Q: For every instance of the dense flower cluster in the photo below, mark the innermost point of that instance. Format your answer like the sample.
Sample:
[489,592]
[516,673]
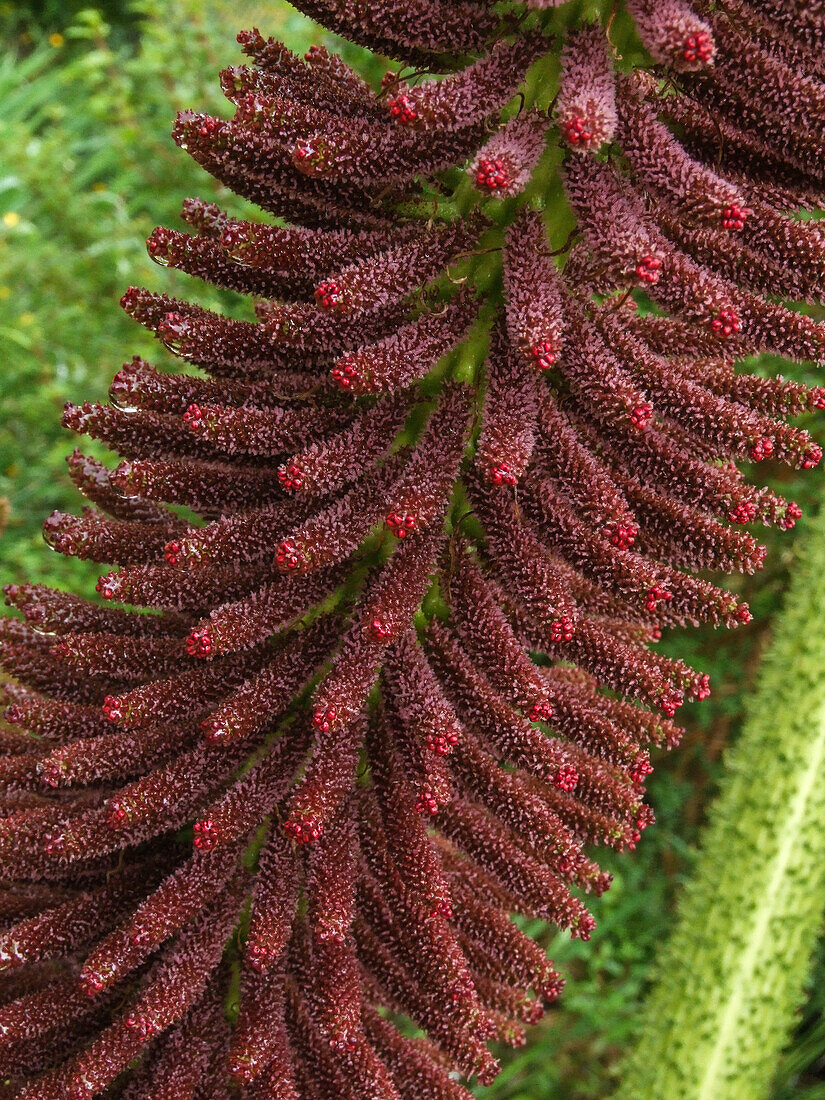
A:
[373,670]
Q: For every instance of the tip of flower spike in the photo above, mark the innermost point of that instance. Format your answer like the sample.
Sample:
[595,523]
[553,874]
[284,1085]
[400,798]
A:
[762,449]
[816,396]
[426,804]
[52,772]
[158,245]
[289,558]
[813,456]
[540,711]
[216,730]
[91,983]
[641,415]
[641,768]
[107,586]
[303,829]
[621,535]
[403,109]
[566,778]
[501,474]
[130,299]
[492,175]
[199,642]
[324,720]
[583,927]
[172,552]
[442,742]
[140,1024]
[291,477]
[733,217]
[345,375]
[206,835]
[670,701]
[378,631]
[117,816]
[113,708]
[698,48]
[544,355]
[401,524]
[701,689]
[562,630]
[331,297]
[193,417]
[744,512]
[649,269]
[313,157]
[656,595]
[578,132]
[260,958]
[792,513]
[726,323]
[743,614]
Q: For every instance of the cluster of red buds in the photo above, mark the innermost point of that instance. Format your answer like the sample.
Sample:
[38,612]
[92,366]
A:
[371,670]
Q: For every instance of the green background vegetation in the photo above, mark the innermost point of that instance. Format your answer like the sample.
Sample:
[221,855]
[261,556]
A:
[87,169]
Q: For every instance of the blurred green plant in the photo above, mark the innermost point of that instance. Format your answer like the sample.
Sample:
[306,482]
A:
[732,974]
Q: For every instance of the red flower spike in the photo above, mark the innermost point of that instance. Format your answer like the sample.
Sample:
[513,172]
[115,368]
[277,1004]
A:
[492,175]
[726,323]
[552,596]
[199,643]
[649,269]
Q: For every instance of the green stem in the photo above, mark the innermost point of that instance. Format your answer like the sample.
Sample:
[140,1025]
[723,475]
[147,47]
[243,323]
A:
[731,977]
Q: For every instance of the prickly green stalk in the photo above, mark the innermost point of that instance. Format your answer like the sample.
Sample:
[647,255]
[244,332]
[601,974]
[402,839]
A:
[731,977]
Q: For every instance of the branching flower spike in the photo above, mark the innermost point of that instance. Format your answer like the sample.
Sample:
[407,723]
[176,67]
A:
[372,665]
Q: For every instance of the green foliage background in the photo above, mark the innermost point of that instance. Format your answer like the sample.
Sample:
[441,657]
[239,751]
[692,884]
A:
[87,168]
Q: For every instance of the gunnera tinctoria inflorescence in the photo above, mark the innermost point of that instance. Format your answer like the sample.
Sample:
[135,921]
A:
[386,678]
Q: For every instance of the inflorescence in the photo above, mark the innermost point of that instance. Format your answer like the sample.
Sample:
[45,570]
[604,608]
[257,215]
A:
[373,670]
